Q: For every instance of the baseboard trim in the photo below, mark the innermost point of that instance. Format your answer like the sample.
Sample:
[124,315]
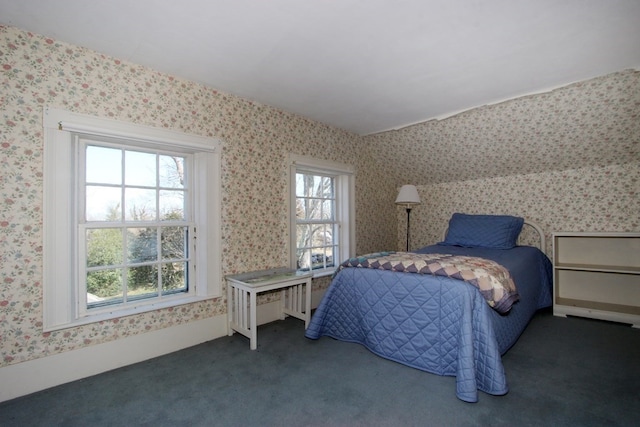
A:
[35,375]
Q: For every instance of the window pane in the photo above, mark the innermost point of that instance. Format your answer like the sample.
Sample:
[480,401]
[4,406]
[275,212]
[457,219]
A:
[174,243]
[304,259]
[143,244]
[103,203]
[327,210]
[104,165]
[140,205]
[322,236]
[326,188]
[332,256]
[143,282]
[172,171]
[140,169]
[104,247]
[300,209]
[172,205]
[300,185]
[303,235]
[104,286]
[318,258]
[174,277]
[314,209]
[305,184]
[315,188]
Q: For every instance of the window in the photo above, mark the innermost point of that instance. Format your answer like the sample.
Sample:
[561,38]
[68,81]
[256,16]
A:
[135,225]
[322,212]
[131,219]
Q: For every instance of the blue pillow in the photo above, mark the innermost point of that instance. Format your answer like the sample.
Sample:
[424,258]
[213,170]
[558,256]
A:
[483,231]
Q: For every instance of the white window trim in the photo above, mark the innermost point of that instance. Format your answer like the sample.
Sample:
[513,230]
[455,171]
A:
[345,184]
[59,230]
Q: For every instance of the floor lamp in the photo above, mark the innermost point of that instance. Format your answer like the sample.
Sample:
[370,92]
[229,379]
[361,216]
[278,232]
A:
[408,197]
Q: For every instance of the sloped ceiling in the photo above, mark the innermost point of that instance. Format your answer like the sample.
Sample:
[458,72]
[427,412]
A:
[590,124]
[365,66]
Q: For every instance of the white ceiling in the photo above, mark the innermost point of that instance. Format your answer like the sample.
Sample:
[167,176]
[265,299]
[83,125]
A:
[361,65]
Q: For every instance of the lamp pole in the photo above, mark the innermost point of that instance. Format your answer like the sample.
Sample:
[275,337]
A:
[408,214]
[408,196]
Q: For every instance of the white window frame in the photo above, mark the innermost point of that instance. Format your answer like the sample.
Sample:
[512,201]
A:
[344,182]
[60,214]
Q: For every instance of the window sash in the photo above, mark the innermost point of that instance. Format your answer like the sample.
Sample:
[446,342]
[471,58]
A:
[315,196]
[322,258]
[117,275]
[125,266]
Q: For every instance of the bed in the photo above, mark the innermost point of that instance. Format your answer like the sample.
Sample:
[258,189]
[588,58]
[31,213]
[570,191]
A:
[442,323]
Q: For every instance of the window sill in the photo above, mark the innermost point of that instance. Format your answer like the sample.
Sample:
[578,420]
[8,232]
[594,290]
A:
[323,273]
[128,311]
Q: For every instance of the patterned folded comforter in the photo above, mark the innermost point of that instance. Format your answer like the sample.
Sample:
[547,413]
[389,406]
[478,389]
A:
[492,279]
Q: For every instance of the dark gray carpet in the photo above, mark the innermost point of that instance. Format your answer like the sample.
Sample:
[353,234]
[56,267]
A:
[561,372]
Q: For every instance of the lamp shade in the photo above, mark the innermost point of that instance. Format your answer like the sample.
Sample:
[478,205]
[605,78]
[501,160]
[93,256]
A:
[408,195]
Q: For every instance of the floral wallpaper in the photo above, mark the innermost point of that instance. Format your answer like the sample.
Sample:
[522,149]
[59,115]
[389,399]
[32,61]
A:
[587,124]
[36,71]
[567,159]
[590,199]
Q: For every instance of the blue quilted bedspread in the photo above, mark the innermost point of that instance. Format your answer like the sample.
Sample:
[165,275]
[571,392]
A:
[437,324]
